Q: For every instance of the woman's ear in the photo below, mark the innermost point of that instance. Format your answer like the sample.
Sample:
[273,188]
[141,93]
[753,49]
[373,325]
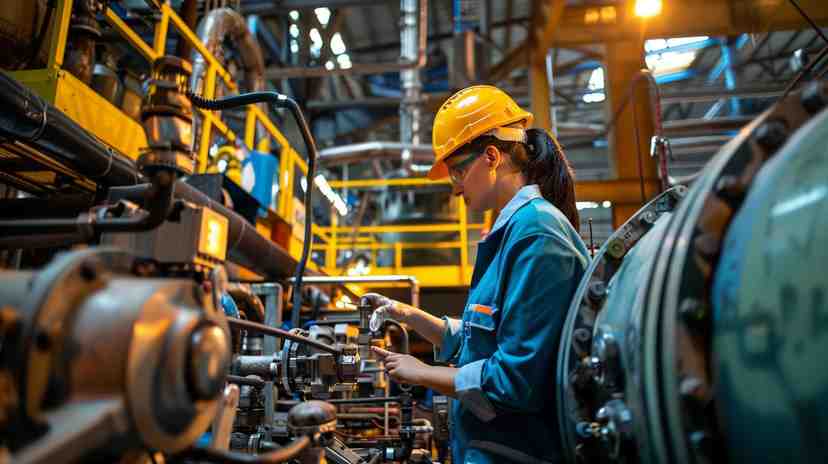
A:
[494,157]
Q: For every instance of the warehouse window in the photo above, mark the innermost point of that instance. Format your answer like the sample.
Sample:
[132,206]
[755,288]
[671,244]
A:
[596,87]
[667,56]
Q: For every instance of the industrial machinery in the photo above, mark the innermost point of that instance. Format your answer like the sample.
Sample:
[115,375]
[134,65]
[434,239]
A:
[135,333]
[694,336]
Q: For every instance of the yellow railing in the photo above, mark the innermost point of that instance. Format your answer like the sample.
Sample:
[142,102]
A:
[123,133]
[105,120]
[343,238]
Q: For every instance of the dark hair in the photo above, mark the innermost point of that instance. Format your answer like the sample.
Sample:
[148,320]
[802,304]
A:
[542,161]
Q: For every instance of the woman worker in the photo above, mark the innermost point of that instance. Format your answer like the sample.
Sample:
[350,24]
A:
[504,349]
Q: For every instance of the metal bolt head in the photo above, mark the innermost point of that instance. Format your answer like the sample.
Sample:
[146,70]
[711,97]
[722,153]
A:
[596,292]
[616,249]
[692,310]
[209,361]
[772,134]
[649,218]
[813,97]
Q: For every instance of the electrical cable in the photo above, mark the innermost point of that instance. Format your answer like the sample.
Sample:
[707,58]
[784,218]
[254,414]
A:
[280,101]
[281,455]
[809,20]
[280,333]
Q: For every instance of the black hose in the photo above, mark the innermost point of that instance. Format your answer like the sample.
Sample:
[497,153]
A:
[276,332]
[405,345]
[280,101]
[281,455]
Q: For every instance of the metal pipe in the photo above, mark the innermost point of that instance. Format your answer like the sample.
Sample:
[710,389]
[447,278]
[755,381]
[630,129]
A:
[281,455]
[409,80]
[379,399]
[21,242]
[253,382]
[245,245]
[217,28]
[273,72]
[411,280]
[157,206]
[277,332]
[29,119]
[372,150]
[57,205]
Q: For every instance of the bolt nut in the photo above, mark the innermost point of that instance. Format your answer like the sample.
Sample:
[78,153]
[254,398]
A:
[616,249]
[596,292]
[772,134]
[692,310]
[648,218]
[813,97]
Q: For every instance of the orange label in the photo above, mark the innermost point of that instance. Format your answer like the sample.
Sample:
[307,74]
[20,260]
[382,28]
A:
[482,309]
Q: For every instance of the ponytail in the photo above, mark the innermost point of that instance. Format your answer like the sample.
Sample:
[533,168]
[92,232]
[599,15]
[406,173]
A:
[542,161]
[549,167]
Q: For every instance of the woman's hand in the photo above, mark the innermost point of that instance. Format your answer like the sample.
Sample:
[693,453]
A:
[385,306]
[403,368]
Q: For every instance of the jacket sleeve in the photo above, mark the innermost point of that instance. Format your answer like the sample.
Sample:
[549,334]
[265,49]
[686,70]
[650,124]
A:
[452,341]
[542,274]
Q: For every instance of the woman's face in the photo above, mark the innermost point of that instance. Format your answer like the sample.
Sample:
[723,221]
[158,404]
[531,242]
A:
[473,177]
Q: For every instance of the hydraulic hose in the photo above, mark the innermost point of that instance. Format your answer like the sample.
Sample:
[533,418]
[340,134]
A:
[280,101]
[281,455]
[276,332]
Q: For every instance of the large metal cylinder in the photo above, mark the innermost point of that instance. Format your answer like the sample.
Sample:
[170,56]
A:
[100,357]
[697,333]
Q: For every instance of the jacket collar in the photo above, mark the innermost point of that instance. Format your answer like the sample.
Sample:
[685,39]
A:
[526,194]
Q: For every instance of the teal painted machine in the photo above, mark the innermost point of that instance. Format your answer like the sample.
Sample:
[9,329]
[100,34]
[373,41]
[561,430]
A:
[699,333]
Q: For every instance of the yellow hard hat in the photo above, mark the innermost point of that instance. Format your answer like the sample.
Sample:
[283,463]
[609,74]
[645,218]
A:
[468,114]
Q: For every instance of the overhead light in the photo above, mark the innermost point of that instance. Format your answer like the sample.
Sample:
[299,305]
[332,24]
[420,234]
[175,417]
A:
[329,65]
[323,15]
[647,8]
[344,61]
[337,201]
[294,30]
[337,44]
[606,204]
[294,15]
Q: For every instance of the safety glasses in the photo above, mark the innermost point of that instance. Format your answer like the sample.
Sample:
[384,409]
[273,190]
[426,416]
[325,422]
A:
[459,169]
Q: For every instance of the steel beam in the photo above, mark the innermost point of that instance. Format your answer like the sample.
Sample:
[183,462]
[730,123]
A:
[544,27]
[612,23]
[630,137]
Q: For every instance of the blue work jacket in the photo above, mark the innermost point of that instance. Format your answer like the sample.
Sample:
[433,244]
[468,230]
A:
[506,344]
